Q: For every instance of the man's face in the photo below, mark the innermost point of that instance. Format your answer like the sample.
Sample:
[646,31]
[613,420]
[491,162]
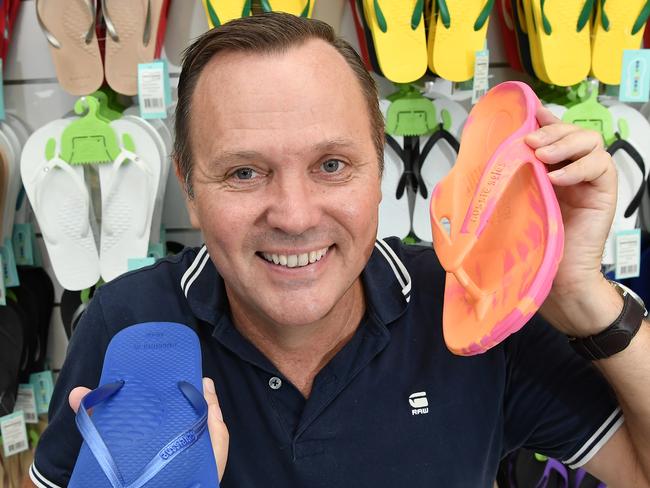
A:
[286,179]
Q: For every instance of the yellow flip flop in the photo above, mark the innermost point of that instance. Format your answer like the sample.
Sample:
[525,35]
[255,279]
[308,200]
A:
[301,8]
[460,32]
[619,26]
[399,38]
[432,16]
[218,12]
[529,21]
[562,29]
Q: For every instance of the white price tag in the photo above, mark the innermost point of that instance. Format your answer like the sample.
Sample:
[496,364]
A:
[26,402]
[14,433]
[628,253]
[153,84]
[481,70]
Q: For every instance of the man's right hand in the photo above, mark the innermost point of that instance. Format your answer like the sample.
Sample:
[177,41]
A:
[216,426]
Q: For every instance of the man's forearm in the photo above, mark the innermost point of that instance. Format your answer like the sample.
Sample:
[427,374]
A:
[628,372]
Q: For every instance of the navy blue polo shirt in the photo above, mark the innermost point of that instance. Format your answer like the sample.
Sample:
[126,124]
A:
[392,408]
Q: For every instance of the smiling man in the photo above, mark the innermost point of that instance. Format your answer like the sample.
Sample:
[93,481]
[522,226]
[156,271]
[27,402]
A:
[325,345]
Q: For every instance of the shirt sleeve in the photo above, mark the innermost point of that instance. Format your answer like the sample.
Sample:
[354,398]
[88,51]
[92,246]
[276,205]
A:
[59,445]
[556,403]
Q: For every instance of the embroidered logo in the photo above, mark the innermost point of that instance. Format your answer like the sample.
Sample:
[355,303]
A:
[419,403]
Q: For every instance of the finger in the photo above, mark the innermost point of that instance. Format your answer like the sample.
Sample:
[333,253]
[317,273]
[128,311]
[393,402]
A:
[546,117]
[571,147]
[217,428]
[550,134]
[75,397]
[596,167]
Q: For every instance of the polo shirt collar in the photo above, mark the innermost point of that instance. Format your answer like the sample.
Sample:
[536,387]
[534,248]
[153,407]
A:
[386,281]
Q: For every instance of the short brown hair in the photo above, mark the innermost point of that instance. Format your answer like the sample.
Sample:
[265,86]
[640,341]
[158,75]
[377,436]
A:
[266,33]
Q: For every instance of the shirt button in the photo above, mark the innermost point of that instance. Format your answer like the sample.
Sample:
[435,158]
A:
[275,383]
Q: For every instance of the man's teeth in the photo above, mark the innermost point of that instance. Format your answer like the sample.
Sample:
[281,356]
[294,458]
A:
[295,260]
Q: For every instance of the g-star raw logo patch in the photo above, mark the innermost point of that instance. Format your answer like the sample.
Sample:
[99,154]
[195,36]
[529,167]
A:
[419,403]
[179,444]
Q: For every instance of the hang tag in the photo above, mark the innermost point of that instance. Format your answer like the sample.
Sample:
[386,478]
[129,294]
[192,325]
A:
[3,289]
[628,254]
[22,245]
[9,269]
[156,251]
[2,92]
[137,263]
[163,238]
[43,388]
[14,433]
[154,90]
[26,401]
[38,258]
[481,70]
[635,76]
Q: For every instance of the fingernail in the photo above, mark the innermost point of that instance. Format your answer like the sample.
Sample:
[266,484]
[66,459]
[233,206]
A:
[208,385]
[557,173]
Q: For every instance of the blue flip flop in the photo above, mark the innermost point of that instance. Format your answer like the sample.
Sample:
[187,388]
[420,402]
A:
[149,421]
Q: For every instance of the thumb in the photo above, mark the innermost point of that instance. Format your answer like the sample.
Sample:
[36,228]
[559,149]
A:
[75,397]
[218,431]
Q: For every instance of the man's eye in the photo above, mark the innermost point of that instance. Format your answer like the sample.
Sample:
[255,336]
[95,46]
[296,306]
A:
[332,165]
[244,173]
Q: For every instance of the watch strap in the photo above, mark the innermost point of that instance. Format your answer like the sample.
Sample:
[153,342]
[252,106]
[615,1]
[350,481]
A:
[614,338]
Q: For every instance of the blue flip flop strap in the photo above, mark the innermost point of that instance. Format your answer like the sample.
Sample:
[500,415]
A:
[173,448]
[92,437]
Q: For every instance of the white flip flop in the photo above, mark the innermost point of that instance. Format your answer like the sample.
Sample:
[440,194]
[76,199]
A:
[61,203]
[394,214]
[156,219]
[436,165]
[630,178]
[129,187]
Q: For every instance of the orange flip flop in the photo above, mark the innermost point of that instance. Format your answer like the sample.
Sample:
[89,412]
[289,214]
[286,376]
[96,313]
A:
[506,237]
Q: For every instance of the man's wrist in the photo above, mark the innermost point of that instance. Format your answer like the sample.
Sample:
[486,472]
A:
[584,313]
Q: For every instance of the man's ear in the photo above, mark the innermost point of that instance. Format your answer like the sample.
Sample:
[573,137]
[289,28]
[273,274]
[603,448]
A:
[190,201]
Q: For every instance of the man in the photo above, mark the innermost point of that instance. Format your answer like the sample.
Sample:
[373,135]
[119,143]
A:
[315,335]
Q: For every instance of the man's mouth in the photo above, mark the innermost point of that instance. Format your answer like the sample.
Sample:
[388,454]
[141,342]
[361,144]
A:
[295,260]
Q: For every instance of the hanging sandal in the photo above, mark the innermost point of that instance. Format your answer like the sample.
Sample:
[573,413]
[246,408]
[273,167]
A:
[399,39]
[459,33]
[69,28]
[219,12]
[619,26]
[132,38]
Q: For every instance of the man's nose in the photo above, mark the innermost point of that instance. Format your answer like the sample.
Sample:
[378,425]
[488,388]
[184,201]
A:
[294,207]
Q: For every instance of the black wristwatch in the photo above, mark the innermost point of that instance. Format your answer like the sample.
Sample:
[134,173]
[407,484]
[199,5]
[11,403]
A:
[617,336]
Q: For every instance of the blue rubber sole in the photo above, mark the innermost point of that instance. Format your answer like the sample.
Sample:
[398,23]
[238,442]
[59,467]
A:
[149,410]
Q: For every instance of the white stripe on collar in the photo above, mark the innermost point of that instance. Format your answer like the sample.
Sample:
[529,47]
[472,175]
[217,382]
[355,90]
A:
[205,259]
[193,266]
[40,480]
[401,273]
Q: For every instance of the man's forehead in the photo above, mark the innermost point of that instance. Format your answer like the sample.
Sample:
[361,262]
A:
[313,67]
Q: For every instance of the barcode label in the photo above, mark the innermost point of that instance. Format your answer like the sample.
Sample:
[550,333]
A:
[14,433]
[157,103]
[631,269]
[18,447]
[628,254]
[26,401]
[154,93]
[481,71]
